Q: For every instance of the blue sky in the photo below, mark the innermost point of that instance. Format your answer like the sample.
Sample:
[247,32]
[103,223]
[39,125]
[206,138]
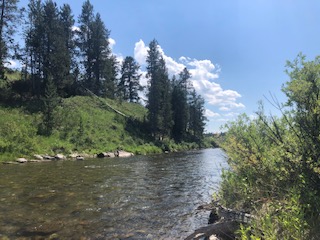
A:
[236,50]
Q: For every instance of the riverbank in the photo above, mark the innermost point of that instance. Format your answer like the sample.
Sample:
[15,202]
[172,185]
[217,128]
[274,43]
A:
[82,124]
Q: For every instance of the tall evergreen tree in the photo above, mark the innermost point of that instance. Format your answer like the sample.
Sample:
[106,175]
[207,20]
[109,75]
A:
[33,45]
[67,21]
[165,107]
[56,54]
[50,103]
[129,84]
[197,117]
[154,93]
[95,51]
[180,105]
[110,77]
[48,45]
[84,43]
[8,20]
[159,100]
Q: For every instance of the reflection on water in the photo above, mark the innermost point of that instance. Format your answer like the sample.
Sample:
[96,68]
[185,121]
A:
[142,197]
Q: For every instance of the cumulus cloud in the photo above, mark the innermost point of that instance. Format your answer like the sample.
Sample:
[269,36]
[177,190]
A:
[112,42]
[211,114]
[174,67]
[75,29]
[204,76]
[12,64]
[141,52]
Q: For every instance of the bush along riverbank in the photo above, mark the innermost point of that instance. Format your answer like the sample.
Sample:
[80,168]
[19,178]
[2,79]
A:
[274,162]
[83,125]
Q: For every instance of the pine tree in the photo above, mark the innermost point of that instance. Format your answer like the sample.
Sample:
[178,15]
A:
[165,107]
[50,103]
[33,45]
[197,117]
[84,43]
[56,58]
[67,21]
[159,95]
[95,52]
[180,105]
[129,84]
[9,13]
[110,77]
[49,46]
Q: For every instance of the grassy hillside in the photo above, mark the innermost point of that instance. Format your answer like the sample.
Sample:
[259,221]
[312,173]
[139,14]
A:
[82,124]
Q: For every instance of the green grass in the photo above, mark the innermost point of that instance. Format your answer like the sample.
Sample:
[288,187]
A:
[82,124]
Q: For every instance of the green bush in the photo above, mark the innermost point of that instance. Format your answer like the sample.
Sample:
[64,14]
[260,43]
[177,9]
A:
[274,162]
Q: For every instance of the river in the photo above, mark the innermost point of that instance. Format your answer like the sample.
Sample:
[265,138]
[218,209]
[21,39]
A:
[141,197]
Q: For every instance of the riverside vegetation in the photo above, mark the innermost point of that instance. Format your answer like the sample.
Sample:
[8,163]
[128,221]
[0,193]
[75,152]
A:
[274,161]
[82,124]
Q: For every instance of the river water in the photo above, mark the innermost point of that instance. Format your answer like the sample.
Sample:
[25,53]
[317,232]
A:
[141,197]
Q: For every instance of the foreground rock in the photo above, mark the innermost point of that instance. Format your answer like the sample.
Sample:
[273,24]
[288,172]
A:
[223,222]
[219,230]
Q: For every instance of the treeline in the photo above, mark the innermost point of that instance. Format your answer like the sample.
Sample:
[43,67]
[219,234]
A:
[61,60]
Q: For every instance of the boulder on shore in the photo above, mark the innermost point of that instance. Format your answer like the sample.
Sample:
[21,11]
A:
[21,160]
[124,154]
[38,157]
[106,155]
[115,154]
[60,157]
[47,157]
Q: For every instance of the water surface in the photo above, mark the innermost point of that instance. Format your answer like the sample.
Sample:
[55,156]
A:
[141,197]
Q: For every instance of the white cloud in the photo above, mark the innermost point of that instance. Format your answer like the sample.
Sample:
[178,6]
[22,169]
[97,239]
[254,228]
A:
[112,42]
[231,114]
[75,29]
[211,114]
[10,64]
[174,68]
[13,64]
[141,52]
